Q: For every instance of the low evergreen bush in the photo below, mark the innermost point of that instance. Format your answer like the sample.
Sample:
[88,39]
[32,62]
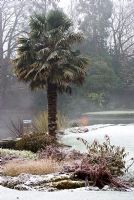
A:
[35,142]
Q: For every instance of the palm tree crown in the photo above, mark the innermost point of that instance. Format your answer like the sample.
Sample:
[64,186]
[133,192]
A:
[46,54]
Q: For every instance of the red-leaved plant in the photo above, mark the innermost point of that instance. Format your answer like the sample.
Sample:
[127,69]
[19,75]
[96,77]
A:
[113,157]
[102,164]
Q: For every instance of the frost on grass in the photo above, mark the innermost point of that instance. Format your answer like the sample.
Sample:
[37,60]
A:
[17,153]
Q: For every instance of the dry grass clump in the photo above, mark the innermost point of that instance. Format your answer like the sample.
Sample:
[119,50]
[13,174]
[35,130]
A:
[38,167]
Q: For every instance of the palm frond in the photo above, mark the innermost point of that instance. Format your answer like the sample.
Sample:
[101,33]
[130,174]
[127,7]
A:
[68,74]
[58,19]
[38,22]
[43,53]
[70,40]
[54,56]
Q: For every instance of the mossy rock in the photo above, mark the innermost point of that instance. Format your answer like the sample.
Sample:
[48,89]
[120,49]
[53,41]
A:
[68,184]
[62,178]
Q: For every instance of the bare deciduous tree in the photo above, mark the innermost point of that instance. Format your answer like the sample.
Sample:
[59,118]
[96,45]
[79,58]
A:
[122,29]
[44,5]
[122,39]
[11,23]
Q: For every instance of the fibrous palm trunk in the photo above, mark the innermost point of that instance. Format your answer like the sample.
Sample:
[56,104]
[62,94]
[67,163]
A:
[52,109]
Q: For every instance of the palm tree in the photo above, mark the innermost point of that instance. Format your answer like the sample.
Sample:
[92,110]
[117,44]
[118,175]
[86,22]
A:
[46,58]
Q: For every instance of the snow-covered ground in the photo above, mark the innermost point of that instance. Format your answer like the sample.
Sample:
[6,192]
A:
[120,135]
[79,194]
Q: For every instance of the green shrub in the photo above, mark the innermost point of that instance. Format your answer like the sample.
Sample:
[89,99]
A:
[8,144]
[34,142]
[98,98]
[40,123]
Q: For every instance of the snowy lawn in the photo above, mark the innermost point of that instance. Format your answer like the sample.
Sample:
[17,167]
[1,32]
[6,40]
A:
[78,194]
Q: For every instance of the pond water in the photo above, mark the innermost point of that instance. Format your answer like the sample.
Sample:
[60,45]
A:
[110,117]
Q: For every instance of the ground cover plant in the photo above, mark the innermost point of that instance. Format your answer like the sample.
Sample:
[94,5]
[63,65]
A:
[17,153]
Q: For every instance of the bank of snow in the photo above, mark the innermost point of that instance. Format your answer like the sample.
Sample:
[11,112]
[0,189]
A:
[78,194]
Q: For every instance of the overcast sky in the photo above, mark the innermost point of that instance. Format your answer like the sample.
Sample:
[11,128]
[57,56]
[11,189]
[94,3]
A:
[64,3]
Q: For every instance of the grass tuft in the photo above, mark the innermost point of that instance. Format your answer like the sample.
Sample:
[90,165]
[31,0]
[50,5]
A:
[40,123]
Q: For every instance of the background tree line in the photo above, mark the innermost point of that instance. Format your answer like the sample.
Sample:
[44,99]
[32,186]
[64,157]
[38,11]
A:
[108,27]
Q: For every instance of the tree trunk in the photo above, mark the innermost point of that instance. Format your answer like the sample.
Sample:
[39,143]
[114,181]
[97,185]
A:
[1,56]
[52,109]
